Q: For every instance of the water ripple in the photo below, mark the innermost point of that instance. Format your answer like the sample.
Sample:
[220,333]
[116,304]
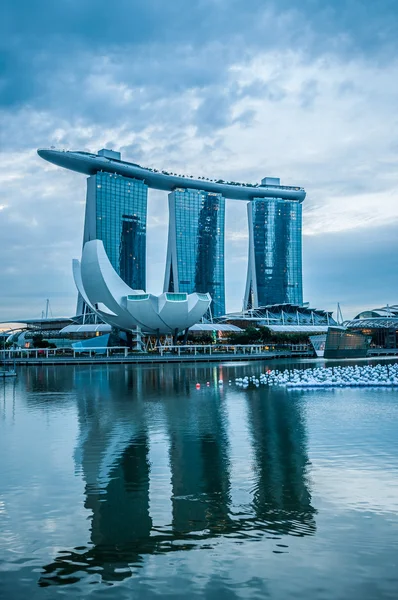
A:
[130,481]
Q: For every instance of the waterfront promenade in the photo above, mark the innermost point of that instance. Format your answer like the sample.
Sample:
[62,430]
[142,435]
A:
[165,354]
[122,355]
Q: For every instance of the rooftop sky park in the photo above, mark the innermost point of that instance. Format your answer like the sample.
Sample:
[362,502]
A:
[109,161]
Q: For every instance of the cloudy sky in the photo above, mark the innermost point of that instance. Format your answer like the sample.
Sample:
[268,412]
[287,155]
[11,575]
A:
[240,89]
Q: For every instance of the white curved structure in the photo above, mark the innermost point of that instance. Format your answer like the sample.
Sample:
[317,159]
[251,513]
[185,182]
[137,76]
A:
[127,309]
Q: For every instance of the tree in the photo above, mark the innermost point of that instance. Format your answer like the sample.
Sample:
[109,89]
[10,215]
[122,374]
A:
[264,335]
[200,338]
[39,342]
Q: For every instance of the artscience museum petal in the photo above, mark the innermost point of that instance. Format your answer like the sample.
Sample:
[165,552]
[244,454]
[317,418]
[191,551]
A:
[124,308]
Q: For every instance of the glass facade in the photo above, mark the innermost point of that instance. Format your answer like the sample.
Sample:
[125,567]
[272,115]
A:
[343,343]
[120,222]
[275,256]
[196,245]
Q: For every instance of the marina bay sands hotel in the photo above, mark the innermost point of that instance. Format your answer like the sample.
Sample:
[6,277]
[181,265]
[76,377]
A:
[116,213]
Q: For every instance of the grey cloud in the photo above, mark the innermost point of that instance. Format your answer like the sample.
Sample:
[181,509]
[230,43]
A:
[270,90]
[246,118]
[53,47]
[83,73]
[40,233]
[214,111]
[308,94]
[76,60]
[346,88]
[356,267]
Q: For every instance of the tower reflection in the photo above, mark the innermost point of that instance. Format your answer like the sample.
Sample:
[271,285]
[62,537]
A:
[198,432]
[281,498]
[120,411]
[112,455]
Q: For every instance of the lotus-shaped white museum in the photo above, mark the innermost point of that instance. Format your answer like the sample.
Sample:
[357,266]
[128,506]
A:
[117,304]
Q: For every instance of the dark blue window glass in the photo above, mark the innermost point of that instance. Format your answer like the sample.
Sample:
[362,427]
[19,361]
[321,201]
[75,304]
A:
[199,225]
[277,251]
[121,216]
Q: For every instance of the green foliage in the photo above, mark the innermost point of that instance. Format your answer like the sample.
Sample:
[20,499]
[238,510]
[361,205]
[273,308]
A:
[39,342]
[200,338]
[251,335]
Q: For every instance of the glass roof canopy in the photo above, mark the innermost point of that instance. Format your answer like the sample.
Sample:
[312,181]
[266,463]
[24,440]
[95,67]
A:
[377,318]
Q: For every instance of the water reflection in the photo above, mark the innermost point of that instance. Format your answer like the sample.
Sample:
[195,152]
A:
[121,411]
[281,496]
[197,431]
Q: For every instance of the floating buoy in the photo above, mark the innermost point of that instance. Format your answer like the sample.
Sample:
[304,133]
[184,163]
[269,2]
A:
[198,386]
[326,377]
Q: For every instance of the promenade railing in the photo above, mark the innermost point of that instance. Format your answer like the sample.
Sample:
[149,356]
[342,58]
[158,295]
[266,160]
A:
[161,351]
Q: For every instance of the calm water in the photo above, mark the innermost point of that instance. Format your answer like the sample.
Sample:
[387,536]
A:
[127,482]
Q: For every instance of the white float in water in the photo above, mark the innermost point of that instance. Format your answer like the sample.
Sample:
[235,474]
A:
[326,377]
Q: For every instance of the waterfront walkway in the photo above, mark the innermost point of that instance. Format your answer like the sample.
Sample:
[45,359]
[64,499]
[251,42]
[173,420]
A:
[121,355]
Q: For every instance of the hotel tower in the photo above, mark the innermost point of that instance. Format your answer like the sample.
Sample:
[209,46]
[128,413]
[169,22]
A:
[116,213]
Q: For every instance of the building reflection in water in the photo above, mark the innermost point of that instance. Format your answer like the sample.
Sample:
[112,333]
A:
[115,407]
[281,498]
[197,429]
